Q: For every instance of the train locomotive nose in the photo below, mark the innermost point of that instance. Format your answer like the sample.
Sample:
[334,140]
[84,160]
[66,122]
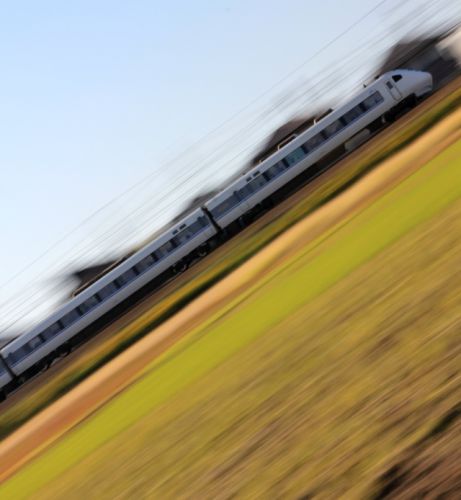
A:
[426,84]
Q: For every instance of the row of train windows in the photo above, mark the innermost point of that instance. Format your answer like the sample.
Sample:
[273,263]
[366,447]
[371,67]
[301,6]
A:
[299,153]
[105,292]
[249,188]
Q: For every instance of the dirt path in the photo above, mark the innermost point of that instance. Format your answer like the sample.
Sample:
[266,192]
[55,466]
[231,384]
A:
[55,420]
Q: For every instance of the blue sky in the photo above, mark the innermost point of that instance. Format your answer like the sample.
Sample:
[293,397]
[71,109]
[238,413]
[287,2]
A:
[97,96]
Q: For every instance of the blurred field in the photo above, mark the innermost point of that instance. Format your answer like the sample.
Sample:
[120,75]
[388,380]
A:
[335,373]
[36,396]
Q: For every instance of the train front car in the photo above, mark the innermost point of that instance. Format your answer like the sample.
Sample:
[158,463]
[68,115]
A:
[405,84]
[420,83]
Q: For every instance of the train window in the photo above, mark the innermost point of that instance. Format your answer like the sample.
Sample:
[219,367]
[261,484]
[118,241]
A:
[51,331]
[314,142]
[133,271]
[19,354]
[158,254]
[389,85]
[188,233]
[183,236]
[333,128]
[35,342]
[396,78]
[196,226]
[69,318]
[166,247]
[372,100]
[274,171]
[161,251]
[145,264]
[89,304]
[27,348]
[11,358]
[295,156]
[225,205]
[352,114]
[107,291]
[257,183]
[119,283]
[128,276]
[245,191]
[204,222]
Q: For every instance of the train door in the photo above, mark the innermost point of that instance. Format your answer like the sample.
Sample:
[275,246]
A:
[393,90]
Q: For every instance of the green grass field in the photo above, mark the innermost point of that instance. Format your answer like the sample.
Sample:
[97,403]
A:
[334,367]
[220,264]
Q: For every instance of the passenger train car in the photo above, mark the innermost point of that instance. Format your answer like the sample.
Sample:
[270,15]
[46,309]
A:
[36,349]
[380,99]
[205,227]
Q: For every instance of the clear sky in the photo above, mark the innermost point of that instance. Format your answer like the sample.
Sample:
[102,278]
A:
[100,97]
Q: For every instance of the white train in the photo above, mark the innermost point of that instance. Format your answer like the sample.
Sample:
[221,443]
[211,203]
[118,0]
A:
[202,229]
[379,100]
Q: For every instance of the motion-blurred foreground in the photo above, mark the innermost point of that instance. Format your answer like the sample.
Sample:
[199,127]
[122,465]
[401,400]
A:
[325,366]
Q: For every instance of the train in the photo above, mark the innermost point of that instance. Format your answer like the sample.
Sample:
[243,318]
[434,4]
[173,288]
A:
[201,230]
